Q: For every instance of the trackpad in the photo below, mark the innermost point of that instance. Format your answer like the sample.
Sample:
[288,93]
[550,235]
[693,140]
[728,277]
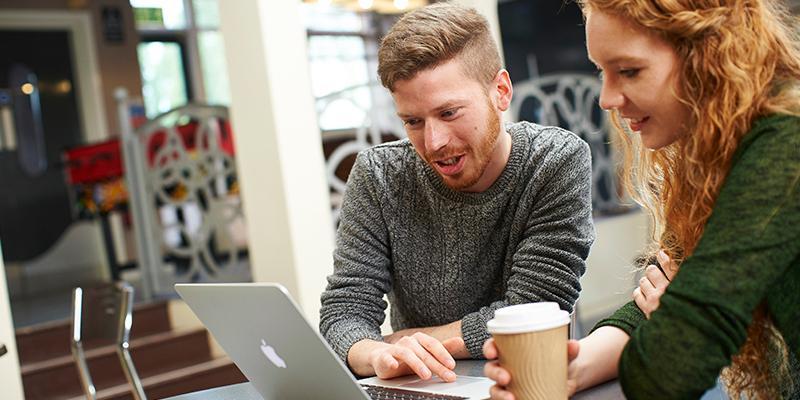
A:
[466,386]
[436,385]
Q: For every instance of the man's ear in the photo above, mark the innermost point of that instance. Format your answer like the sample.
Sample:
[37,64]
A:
[501,86]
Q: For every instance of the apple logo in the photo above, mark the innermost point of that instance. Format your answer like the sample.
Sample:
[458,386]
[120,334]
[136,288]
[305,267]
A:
[272,355]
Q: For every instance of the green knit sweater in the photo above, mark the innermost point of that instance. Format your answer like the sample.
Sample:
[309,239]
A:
[749,253]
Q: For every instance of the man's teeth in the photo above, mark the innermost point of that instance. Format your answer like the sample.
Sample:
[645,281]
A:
[451,161]
[636,120]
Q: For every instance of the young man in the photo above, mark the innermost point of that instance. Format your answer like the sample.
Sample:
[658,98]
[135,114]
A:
[465,216]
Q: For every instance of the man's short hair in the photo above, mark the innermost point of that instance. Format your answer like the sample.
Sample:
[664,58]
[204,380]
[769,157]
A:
[433,35]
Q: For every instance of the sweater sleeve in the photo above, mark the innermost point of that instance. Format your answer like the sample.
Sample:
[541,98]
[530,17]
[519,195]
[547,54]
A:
[749,243]
[627,318]
[549,261]
[352,303]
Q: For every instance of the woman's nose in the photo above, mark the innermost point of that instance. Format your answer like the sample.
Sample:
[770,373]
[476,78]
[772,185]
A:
[610,96]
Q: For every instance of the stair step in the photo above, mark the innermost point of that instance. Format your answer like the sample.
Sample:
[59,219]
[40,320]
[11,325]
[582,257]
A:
[44,341]
[155,354]
[207,375]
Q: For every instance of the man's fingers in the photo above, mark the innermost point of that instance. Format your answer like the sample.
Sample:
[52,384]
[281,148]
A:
[440,350]
[411,359]
[437,355]
[452,346]
[426,355]
[387,362]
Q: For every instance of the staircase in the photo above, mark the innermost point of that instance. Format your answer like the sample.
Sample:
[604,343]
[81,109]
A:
[169,362]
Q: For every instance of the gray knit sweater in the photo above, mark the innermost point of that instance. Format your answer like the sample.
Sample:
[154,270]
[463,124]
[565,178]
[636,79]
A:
[443,255]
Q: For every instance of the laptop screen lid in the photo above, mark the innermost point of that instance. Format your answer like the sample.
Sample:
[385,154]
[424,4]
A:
[263,330]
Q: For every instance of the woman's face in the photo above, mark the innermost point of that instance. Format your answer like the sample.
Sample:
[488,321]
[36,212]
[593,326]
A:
[640,78]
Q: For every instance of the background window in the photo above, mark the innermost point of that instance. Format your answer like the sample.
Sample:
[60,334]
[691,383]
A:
[163,77]
[181,55]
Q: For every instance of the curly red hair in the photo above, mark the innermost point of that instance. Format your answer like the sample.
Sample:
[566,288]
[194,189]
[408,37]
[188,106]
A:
[739,62]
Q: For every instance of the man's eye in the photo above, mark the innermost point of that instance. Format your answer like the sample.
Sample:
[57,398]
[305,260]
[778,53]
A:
[411,121]
[599,74]
[448,113]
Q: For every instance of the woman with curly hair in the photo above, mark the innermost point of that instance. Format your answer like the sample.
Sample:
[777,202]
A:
[705,95]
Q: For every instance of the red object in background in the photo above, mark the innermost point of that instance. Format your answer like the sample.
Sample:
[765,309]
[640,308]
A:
[187,133]
[95,162]
[100,161]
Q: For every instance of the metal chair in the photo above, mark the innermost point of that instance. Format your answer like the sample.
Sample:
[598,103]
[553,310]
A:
[104,312]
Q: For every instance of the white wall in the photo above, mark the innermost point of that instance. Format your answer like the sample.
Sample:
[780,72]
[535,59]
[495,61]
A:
[278,148]
[610,277]
[10,376]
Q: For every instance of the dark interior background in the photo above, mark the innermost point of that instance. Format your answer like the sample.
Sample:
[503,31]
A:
[551,30]
[35,210]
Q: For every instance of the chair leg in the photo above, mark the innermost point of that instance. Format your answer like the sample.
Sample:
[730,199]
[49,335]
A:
[83,371]
[130,373]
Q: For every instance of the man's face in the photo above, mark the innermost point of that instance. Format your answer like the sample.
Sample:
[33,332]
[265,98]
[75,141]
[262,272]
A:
[455,125]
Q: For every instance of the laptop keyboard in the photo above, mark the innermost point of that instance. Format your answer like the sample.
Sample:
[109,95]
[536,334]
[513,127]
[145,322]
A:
[388,393]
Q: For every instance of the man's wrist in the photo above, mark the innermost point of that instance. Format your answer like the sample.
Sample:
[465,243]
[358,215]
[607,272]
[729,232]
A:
[444,332]
[449,331]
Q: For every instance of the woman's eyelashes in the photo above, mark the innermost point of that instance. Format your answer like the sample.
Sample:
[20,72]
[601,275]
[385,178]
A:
[629,73]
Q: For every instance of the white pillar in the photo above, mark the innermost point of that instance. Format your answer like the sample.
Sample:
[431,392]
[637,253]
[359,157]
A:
[278,147]
[10,375]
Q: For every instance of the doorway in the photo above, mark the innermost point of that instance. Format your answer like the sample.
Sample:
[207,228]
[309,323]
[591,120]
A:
[50,104]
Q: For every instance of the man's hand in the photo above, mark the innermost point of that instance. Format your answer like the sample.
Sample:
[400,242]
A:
[441,333]
[418,354]
[648,295]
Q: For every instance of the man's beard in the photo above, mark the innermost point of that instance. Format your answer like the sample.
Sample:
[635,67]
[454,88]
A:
[481,156]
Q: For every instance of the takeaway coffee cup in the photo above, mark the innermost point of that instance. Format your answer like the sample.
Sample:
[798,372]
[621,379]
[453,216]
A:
[532,340]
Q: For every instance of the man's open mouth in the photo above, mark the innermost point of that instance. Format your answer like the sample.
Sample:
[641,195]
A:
[450,161]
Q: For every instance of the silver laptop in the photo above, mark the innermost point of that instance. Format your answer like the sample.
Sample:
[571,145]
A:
[265,333]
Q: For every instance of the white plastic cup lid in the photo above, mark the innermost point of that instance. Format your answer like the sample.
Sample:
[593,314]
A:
[530,317]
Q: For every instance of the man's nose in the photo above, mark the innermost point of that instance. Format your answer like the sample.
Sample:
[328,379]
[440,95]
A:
[436,136]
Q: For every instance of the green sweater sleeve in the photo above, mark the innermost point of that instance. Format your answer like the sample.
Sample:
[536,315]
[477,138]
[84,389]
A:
[627,318]
[750,247]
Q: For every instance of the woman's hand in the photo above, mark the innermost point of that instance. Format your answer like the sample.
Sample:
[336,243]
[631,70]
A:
[648,295]
[494,371]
